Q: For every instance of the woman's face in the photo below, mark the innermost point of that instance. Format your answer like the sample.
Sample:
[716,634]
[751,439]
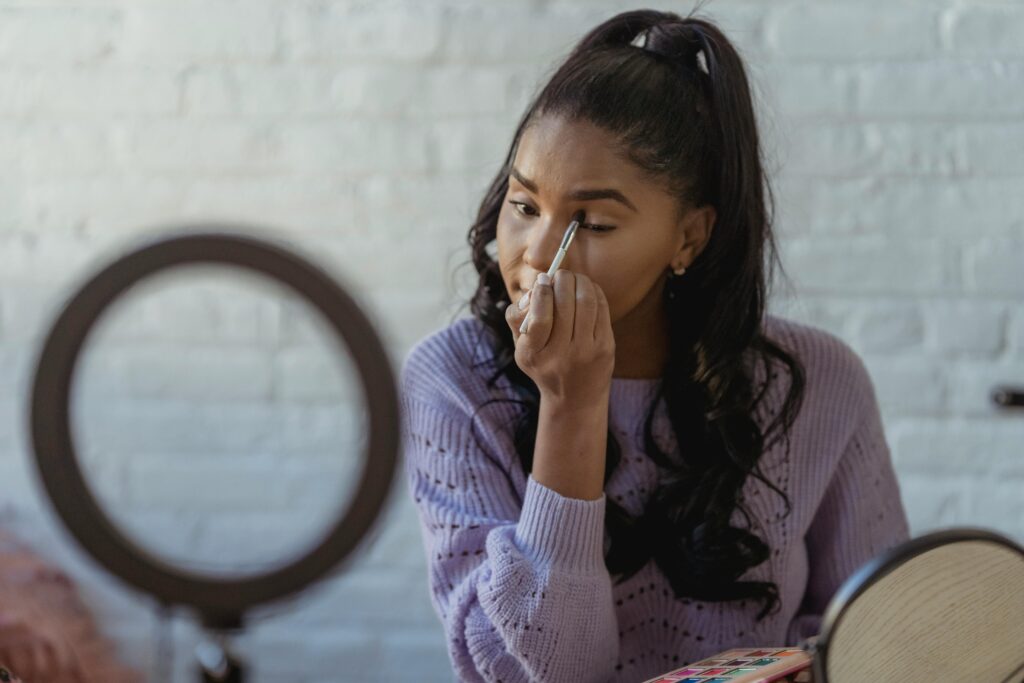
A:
[633,230]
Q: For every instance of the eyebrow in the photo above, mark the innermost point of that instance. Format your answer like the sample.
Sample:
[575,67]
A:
[581,195]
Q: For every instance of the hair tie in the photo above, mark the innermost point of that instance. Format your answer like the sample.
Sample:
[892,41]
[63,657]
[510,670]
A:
[702,61]
[640,41]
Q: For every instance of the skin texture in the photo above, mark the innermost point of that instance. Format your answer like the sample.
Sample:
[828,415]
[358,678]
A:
[629,263]
[601,315]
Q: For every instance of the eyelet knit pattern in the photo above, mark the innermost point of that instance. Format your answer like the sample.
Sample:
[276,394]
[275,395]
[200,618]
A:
[516,570]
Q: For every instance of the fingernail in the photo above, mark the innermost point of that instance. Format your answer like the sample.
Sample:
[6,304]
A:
[543,279]
[526,323]
[523,300]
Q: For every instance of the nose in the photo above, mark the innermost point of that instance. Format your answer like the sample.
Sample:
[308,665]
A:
[541,247]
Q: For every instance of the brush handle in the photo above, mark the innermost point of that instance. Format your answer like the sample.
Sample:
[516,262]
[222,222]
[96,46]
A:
[556,262]
[570,233]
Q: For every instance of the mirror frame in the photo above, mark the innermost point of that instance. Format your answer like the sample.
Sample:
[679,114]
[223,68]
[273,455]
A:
[881,566]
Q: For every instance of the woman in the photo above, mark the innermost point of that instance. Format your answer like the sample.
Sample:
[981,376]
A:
[656,470]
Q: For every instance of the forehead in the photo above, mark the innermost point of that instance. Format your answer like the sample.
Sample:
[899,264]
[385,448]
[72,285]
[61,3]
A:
[554,151]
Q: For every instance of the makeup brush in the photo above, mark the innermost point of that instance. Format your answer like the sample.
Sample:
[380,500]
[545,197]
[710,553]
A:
[570,232]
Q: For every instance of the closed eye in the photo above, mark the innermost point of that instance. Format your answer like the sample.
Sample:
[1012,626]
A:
[521,206]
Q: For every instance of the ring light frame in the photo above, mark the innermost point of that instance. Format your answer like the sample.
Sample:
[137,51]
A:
[221,602]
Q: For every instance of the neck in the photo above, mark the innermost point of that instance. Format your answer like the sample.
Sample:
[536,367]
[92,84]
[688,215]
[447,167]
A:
[641,339]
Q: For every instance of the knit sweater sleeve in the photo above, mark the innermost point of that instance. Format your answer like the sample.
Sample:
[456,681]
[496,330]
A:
[520,586]
[860,515]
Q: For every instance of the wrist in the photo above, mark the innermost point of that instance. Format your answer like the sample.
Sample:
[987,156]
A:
[573,406]
[569,456]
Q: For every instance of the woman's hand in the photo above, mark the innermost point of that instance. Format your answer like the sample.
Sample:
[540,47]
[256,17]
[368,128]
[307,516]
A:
[569,352]
[568,349]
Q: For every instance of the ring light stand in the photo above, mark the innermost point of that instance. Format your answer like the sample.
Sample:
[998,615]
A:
[221,602]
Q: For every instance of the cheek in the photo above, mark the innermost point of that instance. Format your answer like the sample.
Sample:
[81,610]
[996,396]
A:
[505,237]
[506,252]
[624,281]
[617,290]
[606,264]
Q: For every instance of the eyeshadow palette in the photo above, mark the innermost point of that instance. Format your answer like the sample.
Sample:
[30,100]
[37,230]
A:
[740,666]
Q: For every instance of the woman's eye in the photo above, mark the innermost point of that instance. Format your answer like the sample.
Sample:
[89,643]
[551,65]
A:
[520,206]
[595,227]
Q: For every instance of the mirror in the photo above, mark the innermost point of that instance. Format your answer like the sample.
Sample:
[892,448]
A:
[946,606]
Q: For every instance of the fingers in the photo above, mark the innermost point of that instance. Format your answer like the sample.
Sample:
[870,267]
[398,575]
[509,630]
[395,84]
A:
[564,307]
[602,321]
[541,312]
[571,307]
[586,309]
[514,318]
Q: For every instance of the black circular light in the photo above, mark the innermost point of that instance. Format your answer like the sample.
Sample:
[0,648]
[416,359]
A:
[221,601]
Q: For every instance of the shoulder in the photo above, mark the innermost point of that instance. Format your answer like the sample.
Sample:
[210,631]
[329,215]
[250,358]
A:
[450,365]
[447,399]
[835,375]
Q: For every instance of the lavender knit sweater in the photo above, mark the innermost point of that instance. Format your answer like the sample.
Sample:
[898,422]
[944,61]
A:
[517,573]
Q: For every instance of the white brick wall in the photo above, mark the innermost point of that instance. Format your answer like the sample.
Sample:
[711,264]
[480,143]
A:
[365,133]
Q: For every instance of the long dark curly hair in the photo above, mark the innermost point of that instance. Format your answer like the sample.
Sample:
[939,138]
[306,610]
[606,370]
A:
[681,106]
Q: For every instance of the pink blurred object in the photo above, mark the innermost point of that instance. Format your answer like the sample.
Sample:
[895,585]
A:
[6,676]
[47,634]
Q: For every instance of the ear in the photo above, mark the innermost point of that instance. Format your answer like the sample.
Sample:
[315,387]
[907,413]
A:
[695,230]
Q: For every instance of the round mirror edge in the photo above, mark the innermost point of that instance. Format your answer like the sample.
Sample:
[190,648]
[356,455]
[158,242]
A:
[878,568]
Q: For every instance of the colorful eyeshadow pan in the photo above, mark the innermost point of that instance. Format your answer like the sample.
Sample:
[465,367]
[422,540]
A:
[728,666]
